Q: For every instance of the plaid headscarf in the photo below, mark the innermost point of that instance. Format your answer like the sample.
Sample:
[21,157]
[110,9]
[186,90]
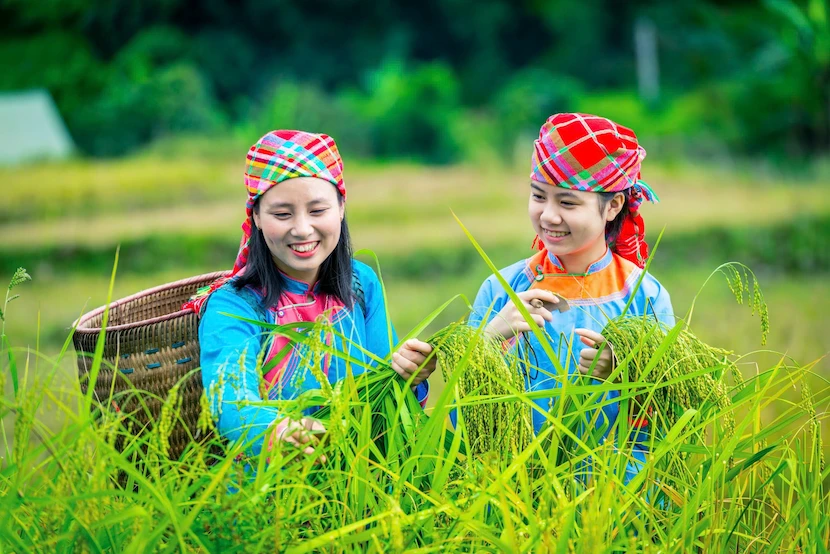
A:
[277,157]
[591,153]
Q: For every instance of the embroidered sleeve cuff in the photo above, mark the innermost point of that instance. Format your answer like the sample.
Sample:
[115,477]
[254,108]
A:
[508,344]
[422,393]
[639,431]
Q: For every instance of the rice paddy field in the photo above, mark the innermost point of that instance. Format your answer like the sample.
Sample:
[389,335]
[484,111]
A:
[398,478]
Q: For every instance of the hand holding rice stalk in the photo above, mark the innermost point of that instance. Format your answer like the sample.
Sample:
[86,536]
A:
[688,372]
[490,424]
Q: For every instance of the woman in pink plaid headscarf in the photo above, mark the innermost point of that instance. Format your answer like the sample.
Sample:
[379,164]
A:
[294,265]
[594,154]
[585,194]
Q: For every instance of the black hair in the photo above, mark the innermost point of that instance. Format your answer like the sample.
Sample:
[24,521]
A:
[261,272]
[612,228]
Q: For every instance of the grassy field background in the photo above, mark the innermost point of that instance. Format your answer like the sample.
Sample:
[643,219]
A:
[175,219]
[172,219]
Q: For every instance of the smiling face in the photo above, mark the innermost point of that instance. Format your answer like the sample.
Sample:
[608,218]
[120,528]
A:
[571,223]
[300,221]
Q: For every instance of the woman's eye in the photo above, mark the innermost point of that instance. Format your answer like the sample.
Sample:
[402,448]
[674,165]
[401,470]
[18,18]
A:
[318,211]
[568,204]
[282,215]
[537,197]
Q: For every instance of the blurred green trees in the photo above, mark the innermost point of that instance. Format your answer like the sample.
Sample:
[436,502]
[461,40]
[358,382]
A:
[436,80]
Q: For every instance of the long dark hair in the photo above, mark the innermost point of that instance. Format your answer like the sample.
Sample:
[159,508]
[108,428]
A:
[261,272]
[612,228]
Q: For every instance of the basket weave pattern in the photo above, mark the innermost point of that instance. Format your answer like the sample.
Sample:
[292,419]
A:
[150,345]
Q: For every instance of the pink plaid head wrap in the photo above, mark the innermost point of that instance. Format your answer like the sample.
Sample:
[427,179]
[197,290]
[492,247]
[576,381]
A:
[591,153]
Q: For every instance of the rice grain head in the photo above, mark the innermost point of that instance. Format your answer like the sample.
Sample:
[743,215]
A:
[494,426]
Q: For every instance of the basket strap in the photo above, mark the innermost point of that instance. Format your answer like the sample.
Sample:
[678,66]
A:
[254,302]
[357,290]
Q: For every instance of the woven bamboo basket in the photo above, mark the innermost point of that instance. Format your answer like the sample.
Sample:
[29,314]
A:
[150,345]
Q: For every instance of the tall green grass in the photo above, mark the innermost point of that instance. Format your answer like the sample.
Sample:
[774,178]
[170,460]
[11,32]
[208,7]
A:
[397,479]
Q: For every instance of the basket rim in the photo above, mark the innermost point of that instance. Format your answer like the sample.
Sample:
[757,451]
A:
[77,324]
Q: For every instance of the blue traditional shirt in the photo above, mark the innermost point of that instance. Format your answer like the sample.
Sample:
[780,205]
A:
[230,349]
[595,297]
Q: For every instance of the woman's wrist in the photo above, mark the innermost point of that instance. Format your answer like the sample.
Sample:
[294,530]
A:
[493,330]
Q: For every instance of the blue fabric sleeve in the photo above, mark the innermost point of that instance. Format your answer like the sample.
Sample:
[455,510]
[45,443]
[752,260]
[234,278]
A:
[421,391]
[377,322]
[662,307]
[229,351]
[483,306]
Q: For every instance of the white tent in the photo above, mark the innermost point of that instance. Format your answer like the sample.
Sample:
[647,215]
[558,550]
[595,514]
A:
[30,126]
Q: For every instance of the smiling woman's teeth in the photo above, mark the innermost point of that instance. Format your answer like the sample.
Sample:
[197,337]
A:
[305,247]
[556,233]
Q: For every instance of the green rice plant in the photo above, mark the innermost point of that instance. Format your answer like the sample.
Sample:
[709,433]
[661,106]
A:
[20,276]
[498,424]
[397,480]
[686,372]
[743,283]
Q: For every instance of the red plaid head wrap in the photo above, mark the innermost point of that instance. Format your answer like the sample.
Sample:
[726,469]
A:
[276,157]
[591,153]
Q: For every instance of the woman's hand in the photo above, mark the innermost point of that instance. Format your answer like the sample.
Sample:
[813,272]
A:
[604,360]
[409,360]
[303,434]
[509,322]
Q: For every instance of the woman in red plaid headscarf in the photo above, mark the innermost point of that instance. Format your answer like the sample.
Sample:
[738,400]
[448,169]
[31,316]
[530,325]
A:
[294,265]
[585,195]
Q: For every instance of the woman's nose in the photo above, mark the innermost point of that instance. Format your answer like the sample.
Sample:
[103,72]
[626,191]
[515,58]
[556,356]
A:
[302,226]
[551,215]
